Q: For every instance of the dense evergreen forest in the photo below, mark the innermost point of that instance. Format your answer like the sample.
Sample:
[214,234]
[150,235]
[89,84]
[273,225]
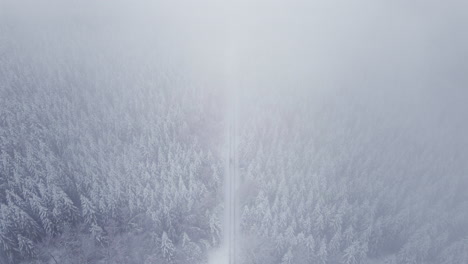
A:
[103,161]
[111,151]
[353,180]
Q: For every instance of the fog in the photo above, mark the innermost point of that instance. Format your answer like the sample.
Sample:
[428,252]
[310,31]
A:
[124,126]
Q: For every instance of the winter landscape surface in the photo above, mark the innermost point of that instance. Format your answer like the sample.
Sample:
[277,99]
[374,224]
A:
[234,132]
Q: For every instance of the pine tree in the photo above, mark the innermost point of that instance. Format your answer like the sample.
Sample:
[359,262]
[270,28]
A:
[288,257]
[88,210]
[25,246]
[322,253]
[167,248]
[351,254]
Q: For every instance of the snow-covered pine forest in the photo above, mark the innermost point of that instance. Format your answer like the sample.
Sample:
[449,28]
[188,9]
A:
[111,147]
[353,180]
[103,160]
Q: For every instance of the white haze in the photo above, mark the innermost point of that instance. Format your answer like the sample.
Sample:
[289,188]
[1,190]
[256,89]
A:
[396,67]
[311,44]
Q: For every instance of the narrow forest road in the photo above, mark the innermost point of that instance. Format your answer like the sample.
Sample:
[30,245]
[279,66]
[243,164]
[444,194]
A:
[232,179]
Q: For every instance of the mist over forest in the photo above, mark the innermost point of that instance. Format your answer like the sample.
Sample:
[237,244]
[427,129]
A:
[350,134]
